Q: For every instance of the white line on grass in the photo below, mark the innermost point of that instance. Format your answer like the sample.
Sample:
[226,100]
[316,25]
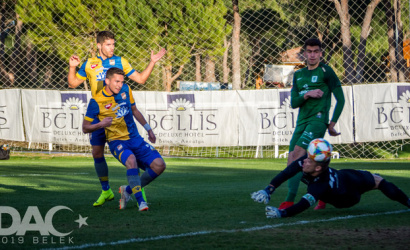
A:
[171,236]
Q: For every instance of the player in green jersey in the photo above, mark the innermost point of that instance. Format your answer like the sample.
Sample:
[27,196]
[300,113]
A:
[311,93]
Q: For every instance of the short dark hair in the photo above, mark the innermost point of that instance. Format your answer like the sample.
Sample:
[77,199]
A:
[112,71]
[312,42]
[104,35]
[324,164]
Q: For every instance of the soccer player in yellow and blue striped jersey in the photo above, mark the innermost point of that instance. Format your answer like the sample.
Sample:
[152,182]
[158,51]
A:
[115,108]
[94,69]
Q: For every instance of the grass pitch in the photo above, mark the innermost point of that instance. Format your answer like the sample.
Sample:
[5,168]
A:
[195,204]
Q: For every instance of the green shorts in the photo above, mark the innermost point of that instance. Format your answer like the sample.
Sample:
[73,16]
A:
[305,133]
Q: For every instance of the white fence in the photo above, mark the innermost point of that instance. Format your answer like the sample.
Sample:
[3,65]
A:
[244,118]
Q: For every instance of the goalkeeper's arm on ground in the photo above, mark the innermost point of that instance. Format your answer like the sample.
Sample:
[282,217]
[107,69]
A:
[263,196]
[299,207]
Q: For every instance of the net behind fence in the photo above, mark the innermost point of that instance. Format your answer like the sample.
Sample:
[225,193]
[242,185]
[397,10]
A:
[379,150]
[38,38]
[364,42]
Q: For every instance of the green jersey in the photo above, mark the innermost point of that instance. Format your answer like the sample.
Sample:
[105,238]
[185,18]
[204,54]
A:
[324,78]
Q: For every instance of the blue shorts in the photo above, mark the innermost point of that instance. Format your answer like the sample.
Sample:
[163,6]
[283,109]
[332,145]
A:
[97,138]
[143,152]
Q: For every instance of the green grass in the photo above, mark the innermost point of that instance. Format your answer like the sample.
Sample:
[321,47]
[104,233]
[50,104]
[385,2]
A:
[192,196]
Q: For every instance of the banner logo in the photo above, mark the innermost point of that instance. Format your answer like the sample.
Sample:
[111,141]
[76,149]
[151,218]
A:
[33,221]
[181,122]
[73,101]
[278,121]
[403,94]
[394,115]
[61,121]
[181,102]
[284,99]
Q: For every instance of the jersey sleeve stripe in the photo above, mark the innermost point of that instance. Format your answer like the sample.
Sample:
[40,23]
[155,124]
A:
[80,76]
[88,118]
[130,73]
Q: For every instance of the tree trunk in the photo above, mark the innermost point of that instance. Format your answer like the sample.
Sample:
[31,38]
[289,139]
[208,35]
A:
[236,66]
[256,49]
[324,37]
[210,69]
[361,56]
[4,75]
[31,65]
[342,8]
[169,79]
[47,78]
[399,50]
[92,49]
[164,78]
[391,39]
[15,61]
[225,61]
[198,76]
[2,34]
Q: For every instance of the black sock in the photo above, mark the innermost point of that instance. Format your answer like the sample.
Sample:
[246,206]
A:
[393,192]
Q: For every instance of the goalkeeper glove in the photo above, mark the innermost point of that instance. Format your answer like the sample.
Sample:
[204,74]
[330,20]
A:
[273,212]
[260,196]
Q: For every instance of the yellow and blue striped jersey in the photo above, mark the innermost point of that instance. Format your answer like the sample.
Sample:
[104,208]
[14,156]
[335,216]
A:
[95,69]
[118,106]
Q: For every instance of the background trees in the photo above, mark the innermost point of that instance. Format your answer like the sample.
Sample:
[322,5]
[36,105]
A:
[214,41]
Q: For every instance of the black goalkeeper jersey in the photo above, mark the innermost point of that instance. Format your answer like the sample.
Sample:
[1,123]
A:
[340,188]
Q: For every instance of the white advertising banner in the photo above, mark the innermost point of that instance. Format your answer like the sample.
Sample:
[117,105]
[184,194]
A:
[382,112]
[139,98]
[54,116]
[266,118]
[11,122]
[206,118]
[345,123]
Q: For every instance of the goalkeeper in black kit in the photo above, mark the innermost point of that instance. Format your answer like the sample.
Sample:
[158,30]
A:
[340,188]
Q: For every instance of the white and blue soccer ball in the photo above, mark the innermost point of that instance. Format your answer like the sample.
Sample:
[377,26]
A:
[319,150]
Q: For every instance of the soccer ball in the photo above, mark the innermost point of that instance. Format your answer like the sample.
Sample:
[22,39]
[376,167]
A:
[319,150]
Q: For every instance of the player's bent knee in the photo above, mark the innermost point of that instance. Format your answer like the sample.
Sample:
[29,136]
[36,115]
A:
[158,166]
[131,162]
[98,151]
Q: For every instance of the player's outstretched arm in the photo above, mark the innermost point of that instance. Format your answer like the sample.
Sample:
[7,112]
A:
[263,196]
[141,120]
[273,212]
[73,80]
[156,57]
[143,76]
